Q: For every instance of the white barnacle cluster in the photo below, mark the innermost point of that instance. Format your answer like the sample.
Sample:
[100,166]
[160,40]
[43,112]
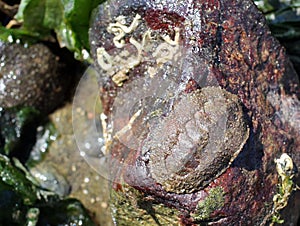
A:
[161,48]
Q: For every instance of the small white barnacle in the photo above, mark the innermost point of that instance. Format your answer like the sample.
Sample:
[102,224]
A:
[152,71]
[121,19]
[124,54]
[147,36]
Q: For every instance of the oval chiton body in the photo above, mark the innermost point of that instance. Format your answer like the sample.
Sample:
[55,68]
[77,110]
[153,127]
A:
[197,141]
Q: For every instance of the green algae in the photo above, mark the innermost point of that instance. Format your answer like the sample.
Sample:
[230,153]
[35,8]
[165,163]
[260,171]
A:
[214,201]
[131,207]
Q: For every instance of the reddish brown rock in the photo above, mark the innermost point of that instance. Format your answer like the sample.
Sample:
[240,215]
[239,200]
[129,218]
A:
[149,55]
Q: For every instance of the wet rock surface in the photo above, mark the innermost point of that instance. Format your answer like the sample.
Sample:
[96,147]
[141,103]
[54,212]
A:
[202,43]
[39,76]
[32,76]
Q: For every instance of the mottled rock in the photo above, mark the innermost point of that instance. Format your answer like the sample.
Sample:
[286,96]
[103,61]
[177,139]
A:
[31,76]
[186,46]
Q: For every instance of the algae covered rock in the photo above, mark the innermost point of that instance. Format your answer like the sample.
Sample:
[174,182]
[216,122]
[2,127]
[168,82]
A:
[23,201]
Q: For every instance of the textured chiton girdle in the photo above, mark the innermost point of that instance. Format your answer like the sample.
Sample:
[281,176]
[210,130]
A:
[198,101]
[196,141]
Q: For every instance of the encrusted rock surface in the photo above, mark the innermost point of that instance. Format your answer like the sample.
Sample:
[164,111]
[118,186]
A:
[186,46]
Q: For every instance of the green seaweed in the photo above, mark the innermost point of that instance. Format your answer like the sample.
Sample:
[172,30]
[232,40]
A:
[132,207]
[214,201]
[64,212]
[16,179]
[17,130]
[22,200]
[69,19]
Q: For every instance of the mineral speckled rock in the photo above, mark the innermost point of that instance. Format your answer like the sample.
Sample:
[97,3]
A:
[192,45]
[31,76]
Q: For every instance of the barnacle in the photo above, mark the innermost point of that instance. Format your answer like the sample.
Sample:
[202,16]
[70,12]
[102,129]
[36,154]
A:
[284,166]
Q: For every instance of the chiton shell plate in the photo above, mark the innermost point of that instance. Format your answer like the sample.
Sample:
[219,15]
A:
[197,141]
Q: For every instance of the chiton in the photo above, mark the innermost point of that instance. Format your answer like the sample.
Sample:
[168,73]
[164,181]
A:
[197,140]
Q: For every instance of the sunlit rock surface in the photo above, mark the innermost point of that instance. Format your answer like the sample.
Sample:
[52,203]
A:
[182,47]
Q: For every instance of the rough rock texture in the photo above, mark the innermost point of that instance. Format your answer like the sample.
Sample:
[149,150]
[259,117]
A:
[31,76]
[185,46]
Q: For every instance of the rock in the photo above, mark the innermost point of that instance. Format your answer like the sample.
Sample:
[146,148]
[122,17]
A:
[149,55]
[31,76]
